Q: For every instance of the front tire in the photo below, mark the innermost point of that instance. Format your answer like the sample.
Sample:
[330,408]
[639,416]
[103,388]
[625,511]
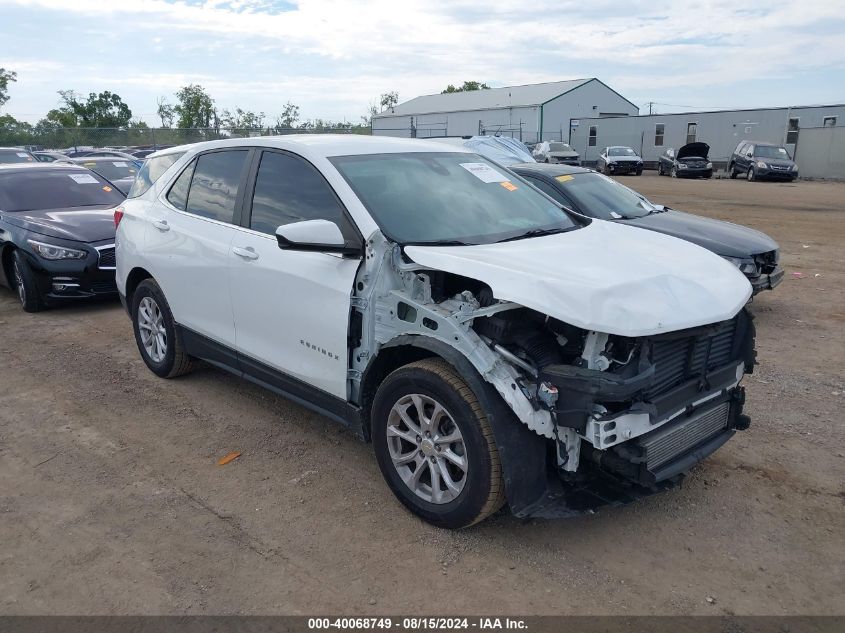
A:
[674,172]
[435,447]
[25,284]
[750,175]
[732,170]
[156,335]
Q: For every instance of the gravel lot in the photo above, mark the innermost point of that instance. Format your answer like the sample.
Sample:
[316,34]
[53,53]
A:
[112,502]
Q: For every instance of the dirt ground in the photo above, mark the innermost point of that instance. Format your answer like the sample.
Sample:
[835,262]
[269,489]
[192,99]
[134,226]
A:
[112,502]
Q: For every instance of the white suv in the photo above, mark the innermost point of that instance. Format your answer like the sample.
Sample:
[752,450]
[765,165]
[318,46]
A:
[492,346]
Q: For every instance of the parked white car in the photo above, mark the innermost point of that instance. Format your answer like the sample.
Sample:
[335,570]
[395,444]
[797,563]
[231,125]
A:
[555,152]
[492,346]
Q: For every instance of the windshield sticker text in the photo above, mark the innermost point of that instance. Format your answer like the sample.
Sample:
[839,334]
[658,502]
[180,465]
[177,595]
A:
[484,172]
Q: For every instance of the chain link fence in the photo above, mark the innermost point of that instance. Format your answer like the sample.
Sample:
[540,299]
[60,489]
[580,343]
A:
[78,137]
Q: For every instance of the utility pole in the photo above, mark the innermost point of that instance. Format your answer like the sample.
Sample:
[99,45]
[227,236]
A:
[650,104]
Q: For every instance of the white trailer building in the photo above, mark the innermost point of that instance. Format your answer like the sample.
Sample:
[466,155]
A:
[815,135]
[531,113]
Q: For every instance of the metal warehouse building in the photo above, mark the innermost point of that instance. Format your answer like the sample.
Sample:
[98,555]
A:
[814,135]
[530,113]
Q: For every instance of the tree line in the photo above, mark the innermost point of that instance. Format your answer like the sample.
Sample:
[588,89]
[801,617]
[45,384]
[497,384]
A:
[103,119]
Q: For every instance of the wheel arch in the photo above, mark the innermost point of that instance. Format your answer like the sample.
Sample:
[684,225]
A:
[522,452]
[135,277]
[6,251]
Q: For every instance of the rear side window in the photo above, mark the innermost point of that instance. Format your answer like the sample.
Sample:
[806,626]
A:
[549,190]
[288,189]
[214,187]
[178,194]
[151,171]
[55,190]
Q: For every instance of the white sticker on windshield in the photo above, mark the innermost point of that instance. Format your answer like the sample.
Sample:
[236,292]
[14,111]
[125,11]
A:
[484,172]
[83,179]
[120,164]
[615,215]
[23,154]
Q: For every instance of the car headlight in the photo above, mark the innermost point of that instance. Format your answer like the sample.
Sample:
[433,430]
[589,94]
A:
[53,252]
[682,165]
[795,168]
[709,165]
[760,163]
[746,266]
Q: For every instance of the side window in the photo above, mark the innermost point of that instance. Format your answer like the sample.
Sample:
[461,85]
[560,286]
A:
[749,150]
[178,194]
[829,121]
[549,190]
[692,128]
[289,189]
[658,134]
[214,187]
[151,171]
[594,132]
[740,148]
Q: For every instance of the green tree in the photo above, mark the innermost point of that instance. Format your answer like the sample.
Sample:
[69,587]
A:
[241,121]
[195,107]
[6,77]
[98,110]
[466,87]
[165,112]
[14,132]
[288,118]
[386,100]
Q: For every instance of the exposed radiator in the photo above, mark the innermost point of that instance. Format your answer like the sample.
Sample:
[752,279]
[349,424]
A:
[678,437]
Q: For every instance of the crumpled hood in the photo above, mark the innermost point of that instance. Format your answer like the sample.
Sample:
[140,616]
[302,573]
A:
[80,224]
[605,277]
[624,159]
[723,238]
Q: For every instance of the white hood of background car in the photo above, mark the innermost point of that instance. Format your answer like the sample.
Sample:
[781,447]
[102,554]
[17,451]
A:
[605,277]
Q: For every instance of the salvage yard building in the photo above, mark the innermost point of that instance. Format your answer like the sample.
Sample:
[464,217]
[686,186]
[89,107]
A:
[530,113]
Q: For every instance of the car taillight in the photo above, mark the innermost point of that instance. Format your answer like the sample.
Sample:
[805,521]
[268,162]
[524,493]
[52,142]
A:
[118,216]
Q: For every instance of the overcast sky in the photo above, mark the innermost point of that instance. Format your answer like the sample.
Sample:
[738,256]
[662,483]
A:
[334,57]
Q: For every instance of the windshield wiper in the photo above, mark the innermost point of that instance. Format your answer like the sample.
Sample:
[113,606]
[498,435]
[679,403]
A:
[534,233]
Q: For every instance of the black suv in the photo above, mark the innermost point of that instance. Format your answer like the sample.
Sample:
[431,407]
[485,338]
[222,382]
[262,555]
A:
[760,161]
[56,233]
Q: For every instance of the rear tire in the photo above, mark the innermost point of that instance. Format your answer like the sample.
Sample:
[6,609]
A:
[732,171]
[25,284]
[156,334]
[429,396]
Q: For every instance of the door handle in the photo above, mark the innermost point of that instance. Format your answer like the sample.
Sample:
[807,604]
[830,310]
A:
[246,253]
[161,225]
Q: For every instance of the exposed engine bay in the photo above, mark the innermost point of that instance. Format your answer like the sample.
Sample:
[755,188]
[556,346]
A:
[638,411]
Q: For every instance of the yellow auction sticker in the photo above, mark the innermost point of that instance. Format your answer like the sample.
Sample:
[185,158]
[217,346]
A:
[507,184]
[107,189]
[564,178]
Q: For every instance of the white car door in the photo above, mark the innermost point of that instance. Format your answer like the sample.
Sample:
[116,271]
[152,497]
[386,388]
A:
[291,307]
[189,240]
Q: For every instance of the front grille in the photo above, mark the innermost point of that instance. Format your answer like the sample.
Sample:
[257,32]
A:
[107,258]
[103,287]
[677,360]
[676,438]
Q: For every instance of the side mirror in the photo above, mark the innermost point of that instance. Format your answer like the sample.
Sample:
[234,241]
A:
[314,235]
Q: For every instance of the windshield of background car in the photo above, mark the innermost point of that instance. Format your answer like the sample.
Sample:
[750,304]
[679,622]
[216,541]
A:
[448,197]
[151,171]
[767,151]
[559,147]
[601,197]
[27,191]
[8,156]
[621,151]
[113,169]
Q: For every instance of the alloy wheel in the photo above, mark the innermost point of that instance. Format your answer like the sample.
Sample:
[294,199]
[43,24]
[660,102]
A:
[427,448]
[152,329]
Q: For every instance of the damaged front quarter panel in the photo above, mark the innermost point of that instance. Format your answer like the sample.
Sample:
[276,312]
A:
[620,417]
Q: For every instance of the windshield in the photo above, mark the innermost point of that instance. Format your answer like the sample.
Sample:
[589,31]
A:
[768,151]
[151,171]
[601,197]
[15,156]
[559,147]
[448,197]
[112,169]
[27,191]
[621,151]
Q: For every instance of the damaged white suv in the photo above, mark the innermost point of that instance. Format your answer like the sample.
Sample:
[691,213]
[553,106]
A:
[493,347]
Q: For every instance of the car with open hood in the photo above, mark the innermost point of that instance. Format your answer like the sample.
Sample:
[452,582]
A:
[595,195]
[618,160]
[56,233]
[690,161]
[494,347]
[555,152]
[762,161]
